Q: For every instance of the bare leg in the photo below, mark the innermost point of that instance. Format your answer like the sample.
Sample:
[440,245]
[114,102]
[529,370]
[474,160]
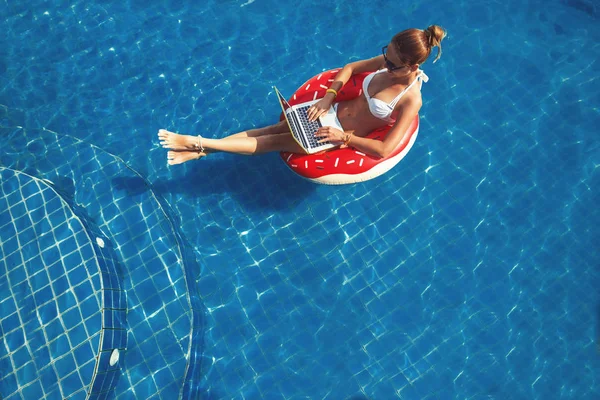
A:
[280,127]
[240,145]
[175,141]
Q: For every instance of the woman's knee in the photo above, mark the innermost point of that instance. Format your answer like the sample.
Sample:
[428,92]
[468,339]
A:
[267,130]
[280,127]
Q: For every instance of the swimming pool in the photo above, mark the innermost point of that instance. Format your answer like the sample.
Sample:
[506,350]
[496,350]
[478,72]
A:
[469,271]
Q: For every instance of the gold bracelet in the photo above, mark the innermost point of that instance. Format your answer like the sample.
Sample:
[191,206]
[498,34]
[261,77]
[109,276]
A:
[347,139]
[330,90]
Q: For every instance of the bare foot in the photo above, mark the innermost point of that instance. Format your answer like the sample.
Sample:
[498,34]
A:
[179,157]
[175,141]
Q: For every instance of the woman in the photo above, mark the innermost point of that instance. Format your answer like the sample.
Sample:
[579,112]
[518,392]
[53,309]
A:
[391,95]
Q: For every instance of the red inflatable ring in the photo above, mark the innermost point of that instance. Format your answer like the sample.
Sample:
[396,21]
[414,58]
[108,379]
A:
[341,166]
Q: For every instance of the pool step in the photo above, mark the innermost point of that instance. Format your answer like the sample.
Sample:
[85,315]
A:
[123,216]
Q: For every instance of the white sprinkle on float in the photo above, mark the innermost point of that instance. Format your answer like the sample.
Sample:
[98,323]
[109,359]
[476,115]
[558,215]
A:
[359,153]
[361,162]
[350,162]
[319,77]
[337,160]
[288,159]
[319,161]
[305,163]
[307,87]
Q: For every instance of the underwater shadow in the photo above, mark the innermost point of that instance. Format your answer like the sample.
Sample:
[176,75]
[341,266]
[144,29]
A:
[257,183]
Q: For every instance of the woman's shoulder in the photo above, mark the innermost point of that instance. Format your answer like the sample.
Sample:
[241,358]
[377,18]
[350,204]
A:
[412,97]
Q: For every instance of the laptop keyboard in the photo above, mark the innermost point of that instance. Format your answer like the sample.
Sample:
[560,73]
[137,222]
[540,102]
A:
[310,127]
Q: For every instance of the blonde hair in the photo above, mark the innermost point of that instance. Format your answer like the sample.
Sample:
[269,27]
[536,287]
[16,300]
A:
[414,45]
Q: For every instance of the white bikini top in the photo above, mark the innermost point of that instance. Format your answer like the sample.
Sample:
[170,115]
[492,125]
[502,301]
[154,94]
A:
[379,108]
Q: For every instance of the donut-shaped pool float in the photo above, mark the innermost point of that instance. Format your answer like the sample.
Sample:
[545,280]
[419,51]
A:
[348,165]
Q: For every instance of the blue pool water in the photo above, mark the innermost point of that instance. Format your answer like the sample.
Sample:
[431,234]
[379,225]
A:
[469,271]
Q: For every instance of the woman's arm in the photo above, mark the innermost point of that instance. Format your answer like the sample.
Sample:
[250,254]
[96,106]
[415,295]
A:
[353,68]
[340,80]
[374,147]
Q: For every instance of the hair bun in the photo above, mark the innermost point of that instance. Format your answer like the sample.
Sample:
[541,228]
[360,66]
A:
[435,34]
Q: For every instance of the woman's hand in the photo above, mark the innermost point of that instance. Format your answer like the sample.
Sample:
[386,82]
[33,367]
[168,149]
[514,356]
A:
[331,134]
[319,108]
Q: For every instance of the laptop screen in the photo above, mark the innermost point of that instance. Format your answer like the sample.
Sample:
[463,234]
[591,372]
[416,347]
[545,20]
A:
[284,102]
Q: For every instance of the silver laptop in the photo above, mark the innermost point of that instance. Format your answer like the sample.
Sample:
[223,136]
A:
[304,130]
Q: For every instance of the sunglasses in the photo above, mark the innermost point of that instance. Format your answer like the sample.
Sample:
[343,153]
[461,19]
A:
[390,65]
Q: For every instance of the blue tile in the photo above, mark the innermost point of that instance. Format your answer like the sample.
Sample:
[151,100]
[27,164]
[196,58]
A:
[65,364]
[150,345]
[173,355]
[5,217]
[93,324]
[152,304]
[12,321]
[110,281]
[174,309]
[95,340]
[66,301]
[96,281]
[20,219]
[15,339]
[77,274]
[145,289]
[26,373]
[51,255]
[77,334]
[43,295]
[19,357]
[162,377]
[69,247]
[29,246]
[145,388]
[71,383]
[33,391]
[54,329]
[83,353]
[71,318]
[87,252]
[107,339]
[17,274]
[6,366]
[42,356]
[41,223]
[8,305]
[83,290]
[59,346]
[89,307]
[30,192]
[87,371]
[46,241]
[9,383]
